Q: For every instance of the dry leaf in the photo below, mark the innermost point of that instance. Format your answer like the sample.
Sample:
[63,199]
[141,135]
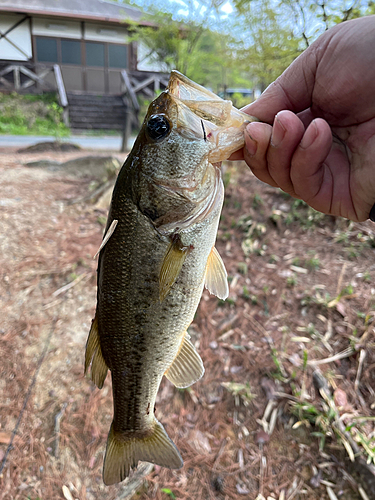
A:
[66,493]
[340,307]
[5,437]
[340,398]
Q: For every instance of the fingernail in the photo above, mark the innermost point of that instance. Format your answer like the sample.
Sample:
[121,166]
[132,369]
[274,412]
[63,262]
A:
[310,135]
[251,144]
[278,132]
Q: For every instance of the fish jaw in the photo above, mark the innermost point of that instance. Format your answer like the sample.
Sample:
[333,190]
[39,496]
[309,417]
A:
[224,124]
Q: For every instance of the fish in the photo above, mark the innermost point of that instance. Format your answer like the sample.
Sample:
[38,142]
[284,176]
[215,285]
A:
[157,255]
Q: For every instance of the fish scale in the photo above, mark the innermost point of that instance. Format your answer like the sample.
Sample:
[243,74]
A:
[157,254]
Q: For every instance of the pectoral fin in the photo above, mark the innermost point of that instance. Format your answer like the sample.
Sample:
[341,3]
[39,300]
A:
[216,280]
[171,266]
[187,367]
[99,368]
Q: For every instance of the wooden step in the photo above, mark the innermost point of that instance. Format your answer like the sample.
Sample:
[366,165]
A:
[87,111]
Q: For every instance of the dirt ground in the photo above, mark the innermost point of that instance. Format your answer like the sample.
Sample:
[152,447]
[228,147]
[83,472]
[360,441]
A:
[286,408]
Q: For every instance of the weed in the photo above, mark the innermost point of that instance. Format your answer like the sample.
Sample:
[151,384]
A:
[291,280]
[226,178]
[168,492]
[342,238]
[326,418]
[240,390]
[102,220]
[245,293]
[257,201]
[352,252]
[304,215]
[25,115]
[367,277]
[280,374]
[313,263]
[242,268]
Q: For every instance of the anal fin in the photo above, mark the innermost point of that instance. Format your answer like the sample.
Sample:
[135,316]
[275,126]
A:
[94,356]
[187,367]
[123,454]
[216,280]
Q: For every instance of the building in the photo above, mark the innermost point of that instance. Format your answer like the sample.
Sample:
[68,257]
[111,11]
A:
[86,38]
[79,48]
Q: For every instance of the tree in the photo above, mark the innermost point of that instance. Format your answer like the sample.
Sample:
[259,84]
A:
[191,47]
[268,47]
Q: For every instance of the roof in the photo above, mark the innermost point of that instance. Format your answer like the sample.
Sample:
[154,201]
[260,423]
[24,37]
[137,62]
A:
[98,10]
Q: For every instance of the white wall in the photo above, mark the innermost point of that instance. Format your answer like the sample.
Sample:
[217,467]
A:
[56,27]
[104,33]
[17,44]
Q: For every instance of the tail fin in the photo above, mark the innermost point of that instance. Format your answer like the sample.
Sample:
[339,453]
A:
[121,456]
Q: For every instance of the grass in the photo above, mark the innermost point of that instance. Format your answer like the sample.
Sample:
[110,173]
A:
[31,115]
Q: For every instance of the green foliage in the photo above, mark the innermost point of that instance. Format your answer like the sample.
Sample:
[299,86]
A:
[306,216]
[242,391]
[270,46]
[31,115]
[248,48]
[204,55]
[169,492]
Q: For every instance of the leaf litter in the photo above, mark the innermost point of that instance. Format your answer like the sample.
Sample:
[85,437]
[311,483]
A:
[257,425]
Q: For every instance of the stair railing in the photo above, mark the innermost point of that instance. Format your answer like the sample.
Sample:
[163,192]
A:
[130,87]
[61,92]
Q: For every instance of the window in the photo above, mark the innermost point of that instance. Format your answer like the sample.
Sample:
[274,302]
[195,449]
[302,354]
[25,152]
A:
[46,49]
[94,54]
[118,56]
[70,52]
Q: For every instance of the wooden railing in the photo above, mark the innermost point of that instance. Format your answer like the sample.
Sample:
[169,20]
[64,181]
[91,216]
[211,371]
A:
[37,79]
[131,86]
[61,92]
[32,78]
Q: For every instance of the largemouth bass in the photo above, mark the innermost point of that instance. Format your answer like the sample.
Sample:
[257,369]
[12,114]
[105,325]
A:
[157,254]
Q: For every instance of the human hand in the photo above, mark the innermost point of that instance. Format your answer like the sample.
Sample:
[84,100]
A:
[321,147]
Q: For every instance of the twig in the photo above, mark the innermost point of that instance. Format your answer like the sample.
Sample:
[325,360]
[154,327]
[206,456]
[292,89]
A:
[297,490]
[341,355]
[58,418]
[93,195]
[28,394]
[70,285]
[339,282]
[135,482]
[362,357]
[363,493]
[221,451]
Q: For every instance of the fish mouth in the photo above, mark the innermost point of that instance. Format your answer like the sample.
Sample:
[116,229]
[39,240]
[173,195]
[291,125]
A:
[201,113]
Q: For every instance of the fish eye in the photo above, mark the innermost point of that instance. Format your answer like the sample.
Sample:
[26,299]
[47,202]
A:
[158,127]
